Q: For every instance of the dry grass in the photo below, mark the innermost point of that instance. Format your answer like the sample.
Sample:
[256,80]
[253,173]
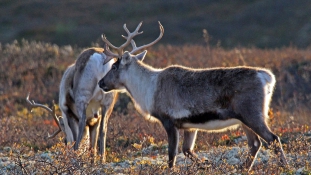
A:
[37,68]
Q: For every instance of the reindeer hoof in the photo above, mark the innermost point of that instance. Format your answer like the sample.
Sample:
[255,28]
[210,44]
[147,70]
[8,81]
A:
[204,164]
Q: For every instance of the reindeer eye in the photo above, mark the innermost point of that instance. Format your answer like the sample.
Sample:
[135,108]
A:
[114,67]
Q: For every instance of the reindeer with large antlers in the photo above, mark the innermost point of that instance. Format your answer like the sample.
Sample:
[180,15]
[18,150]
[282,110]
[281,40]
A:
[80,97]
[212,99]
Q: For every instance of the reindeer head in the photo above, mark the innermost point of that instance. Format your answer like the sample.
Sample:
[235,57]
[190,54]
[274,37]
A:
[116,77]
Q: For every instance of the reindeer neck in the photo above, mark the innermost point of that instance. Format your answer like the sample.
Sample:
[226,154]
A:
[141,85]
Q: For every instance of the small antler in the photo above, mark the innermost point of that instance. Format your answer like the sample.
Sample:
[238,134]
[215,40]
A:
[110,54]
[58,119]
[135,49]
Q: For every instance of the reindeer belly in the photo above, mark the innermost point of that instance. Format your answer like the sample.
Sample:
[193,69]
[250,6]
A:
[93,113]
[214,125]
[92,121]
[218,121]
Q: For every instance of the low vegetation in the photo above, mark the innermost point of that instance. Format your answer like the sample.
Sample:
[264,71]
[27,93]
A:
[134,145]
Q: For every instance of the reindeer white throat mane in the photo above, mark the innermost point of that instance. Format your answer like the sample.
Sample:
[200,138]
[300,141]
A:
[144,82]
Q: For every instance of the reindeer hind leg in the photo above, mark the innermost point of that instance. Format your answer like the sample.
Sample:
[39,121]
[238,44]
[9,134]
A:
[252,113]
[272,140]
[254,145]
[258,125]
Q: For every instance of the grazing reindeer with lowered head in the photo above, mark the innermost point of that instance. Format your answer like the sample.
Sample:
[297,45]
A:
[85,107]
[210,99]
[81,100]
[80,97]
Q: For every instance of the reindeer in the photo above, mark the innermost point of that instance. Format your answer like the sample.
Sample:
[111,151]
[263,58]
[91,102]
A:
[85,107]
[80,97]
[211,99]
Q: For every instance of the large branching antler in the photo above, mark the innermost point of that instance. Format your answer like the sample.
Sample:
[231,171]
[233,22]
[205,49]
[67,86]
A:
[58,119]
[135,48]
[129,39]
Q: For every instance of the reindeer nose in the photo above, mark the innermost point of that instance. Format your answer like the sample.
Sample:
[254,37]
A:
[101,84]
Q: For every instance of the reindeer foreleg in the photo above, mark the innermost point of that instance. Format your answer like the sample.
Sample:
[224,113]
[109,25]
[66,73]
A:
[189,141]
[173,137]
[81,108]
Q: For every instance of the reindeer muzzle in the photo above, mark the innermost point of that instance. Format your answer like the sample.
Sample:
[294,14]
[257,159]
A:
[103,86]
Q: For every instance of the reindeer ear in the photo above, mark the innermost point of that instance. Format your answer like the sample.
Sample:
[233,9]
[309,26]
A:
[141,55]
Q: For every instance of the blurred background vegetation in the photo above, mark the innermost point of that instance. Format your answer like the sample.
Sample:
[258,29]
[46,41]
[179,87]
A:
[260,23]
